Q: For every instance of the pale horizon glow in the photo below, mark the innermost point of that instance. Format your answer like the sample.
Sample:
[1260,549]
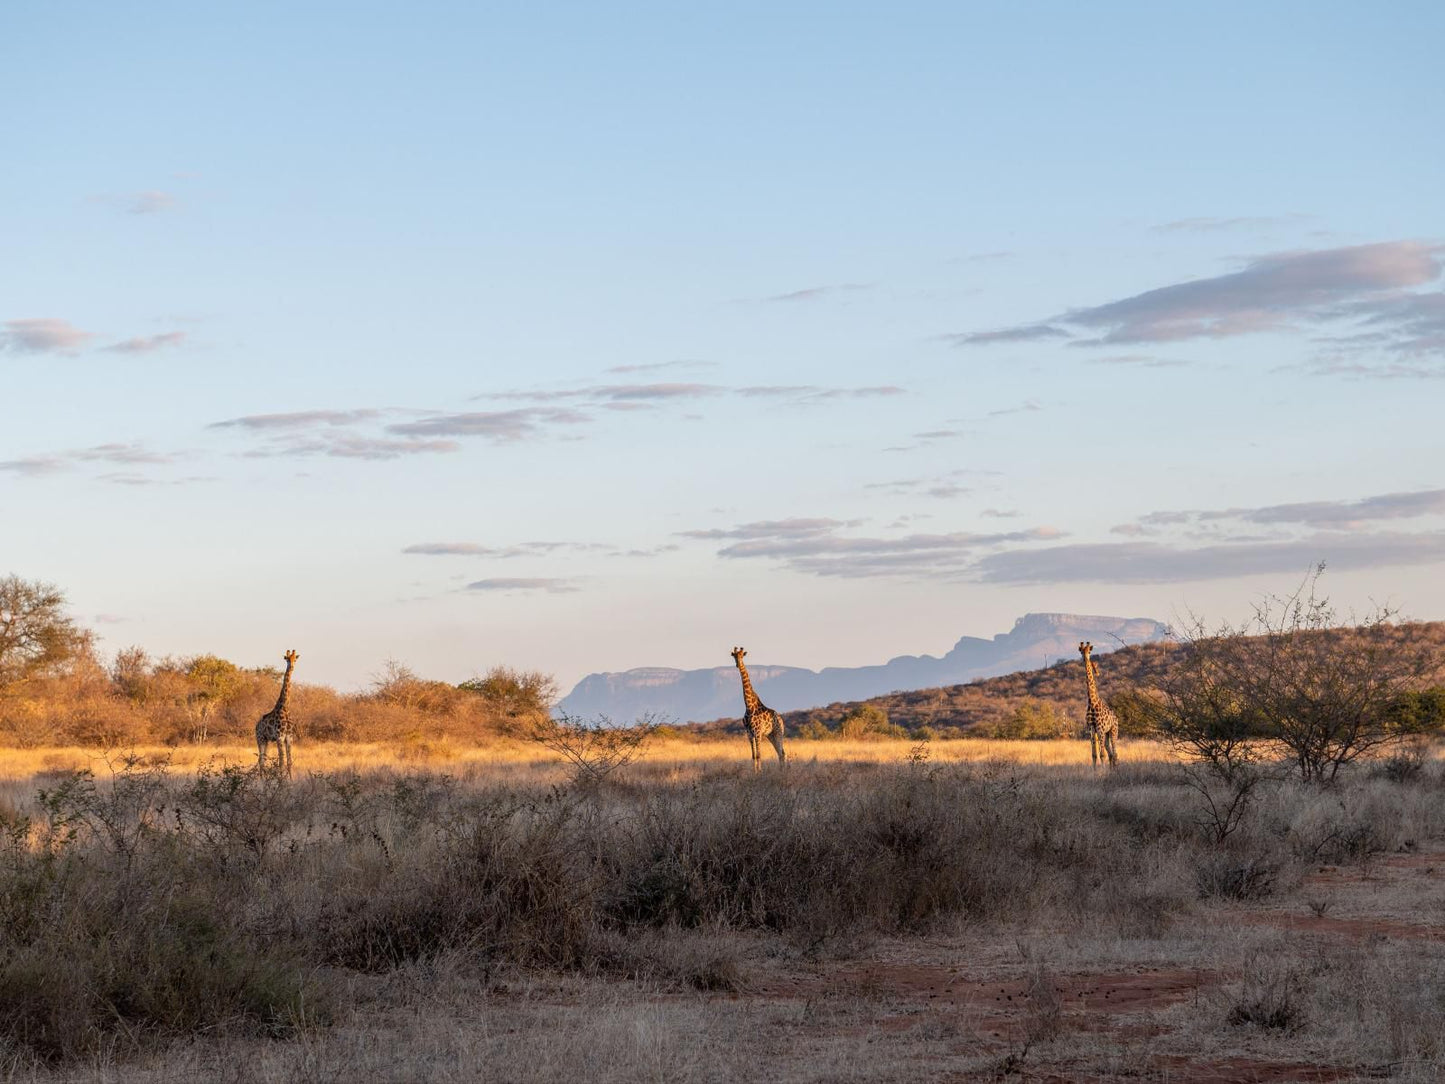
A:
[614,335]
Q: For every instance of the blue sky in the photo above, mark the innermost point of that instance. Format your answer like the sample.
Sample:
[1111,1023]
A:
[582,337]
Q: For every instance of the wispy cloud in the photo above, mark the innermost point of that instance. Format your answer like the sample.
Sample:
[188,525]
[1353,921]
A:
[130,478]
[33,466]
[1024,333]
[1217,225]
[1132,530]
[819,547]
[774,528]
[1374,371]
[814,293]
[1411,325]
[359,446]
[518,549]
[1028,406]
[1270,293]
[1157,562]
[1142,361]
[530,549]
[451,549]
[659,366]
[607,394]
[148,202]
[501,426]
[300,419]
[1430,502]
[121,453]
[147,344]
[42,335]
[115,454]
[1338,514]
[652,392]
[354,434]
[333,433]
[648,396]
[1372,289]
[945,487]
[524,583]
[811,394]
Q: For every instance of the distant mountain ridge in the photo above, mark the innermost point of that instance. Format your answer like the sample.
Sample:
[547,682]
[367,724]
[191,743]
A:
[714,693]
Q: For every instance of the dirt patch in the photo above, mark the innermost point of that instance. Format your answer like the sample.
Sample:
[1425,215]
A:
[1183,1070]
[1364,929]
[1107,992]
[1423,863]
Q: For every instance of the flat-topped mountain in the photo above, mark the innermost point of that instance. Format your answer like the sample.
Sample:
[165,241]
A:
[714,693]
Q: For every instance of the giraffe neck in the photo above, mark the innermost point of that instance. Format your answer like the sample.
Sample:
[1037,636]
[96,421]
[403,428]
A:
[285,690]
[750,698]
[1091,684]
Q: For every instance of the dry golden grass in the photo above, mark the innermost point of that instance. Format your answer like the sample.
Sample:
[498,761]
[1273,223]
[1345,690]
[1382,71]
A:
[507,757]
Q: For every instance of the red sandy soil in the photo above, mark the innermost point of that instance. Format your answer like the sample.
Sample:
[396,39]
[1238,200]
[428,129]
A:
[911,988]
[918,990]
[1425,863]
[1116,992]
[1182,1070]
[1381,868]
[1362,928]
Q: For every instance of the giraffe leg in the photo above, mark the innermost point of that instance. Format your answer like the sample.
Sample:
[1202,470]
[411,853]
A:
[1109,747]
[755,743]
[260,752]
[1094,747]
[776,737]
[284,743]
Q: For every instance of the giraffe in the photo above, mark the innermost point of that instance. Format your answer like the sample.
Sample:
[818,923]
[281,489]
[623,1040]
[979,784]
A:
[275,725]
[761,720]
[1103,723]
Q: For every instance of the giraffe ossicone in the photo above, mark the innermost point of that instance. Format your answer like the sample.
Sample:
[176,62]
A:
[274,728]
[1103,723]
[761,721]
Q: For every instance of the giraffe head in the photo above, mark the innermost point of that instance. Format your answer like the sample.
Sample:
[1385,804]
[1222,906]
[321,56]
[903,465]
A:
[291,657]
[738,654]
[1084,649]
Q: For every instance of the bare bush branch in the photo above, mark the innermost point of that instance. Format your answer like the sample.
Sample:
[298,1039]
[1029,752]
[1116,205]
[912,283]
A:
[594,752]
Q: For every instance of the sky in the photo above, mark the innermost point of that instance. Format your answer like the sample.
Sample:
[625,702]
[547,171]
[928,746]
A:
[580,337]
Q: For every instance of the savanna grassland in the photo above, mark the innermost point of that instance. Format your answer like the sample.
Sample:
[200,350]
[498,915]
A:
[879,911]
[455,886]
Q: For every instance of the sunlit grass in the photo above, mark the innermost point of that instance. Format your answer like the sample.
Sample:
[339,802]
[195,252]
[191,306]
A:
[508,757]
[512,760]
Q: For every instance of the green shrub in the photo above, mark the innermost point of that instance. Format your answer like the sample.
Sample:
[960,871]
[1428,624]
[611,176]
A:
[1034,719]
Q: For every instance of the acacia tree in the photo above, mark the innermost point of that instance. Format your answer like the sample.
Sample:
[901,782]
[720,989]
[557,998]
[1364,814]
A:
[519,699]
[37,637]
[1330,697]
[1324,687]
[213,681]
[1199,708]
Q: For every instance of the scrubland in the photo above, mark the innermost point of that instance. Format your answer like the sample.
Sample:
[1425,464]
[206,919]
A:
[875,911]
[455,886]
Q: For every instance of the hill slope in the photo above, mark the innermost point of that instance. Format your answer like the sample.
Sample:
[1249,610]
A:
[980,707]
[691,695]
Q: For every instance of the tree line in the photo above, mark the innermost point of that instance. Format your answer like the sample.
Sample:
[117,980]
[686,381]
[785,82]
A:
[56,689]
